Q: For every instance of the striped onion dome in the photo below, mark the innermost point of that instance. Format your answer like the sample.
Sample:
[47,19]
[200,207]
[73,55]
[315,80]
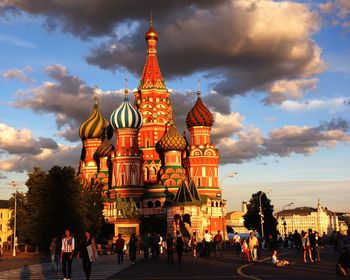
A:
[126,116]
[105,149]
[94,126]
[199,115]
[172,140]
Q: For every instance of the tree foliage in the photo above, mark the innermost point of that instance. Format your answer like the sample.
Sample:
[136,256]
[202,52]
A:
[55,201]
[252,217]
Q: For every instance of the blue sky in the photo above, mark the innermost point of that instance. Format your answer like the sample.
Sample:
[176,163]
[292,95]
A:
[277,144]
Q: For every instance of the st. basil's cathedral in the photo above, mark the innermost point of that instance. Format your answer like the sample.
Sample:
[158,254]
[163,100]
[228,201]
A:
[172,182]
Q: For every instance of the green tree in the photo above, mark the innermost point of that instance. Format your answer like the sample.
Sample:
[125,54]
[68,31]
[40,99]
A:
[93,206]
[252,217]
[22,223]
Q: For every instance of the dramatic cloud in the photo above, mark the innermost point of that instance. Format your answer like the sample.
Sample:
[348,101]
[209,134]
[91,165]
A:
[64,155]
[20,150]
[332,105]
[22,141]
[283,90]
[245,48]
[68,98]
[337,12]
[240,44]
[335,124]
[250,143]
[20,74]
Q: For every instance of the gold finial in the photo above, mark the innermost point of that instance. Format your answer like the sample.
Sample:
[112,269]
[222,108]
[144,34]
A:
[126,87]
[96,92]
[151,19]
[198,87]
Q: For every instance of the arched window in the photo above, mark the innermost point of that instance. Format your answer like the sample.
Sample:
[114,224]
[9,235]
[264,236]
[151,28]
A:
[147,143]
[157,204]
[212,204]
[217,204]
[199,182]
[150,204]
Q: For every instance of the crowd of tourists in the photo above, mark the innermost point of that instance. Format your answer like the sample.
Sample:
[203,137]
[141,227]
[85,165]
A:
[153,245]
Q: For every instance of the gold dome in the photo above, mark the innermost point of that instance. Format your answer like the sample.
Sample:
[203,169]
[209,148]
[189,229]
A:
[172,141]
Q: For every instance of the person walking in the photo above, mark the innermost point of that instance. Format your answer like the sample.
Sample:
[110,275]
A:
[170,245]
[305,241]
[132,248]
[245,250]
[218,243]
[312,242]
[87,253]
[253,246]
[119,248]
[145,241]
[179,246]
[207,240]
[318,245]
[155,246]
[194,244]
[237,243]
[55,251]
[67,250]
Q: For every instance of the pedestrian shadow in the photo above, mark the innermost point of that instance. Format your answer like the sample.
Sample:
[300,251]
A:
[25,273]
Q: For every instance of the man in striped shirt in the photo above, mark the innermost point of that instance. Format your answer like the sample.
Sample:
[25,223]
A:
[68,245]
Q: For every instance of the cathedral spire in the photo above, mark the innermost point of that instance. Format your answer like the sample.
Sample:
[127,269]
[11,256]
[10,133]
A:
[151,75]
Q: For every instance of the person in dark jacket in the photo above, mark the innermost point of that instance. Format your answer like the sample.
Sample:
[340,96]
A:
[84,254]
[170,245]
[179,246]
[312,239]
[132,248]
[119,248]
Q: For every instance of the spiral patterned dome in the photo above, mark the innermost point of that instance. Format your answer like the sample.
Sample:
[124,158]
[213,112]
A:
[172,141]
[199,115]
[126,116]
[94,126]
[104,150]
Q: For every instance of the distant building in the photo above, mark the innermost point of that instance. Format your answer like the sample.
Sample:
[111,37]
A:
[344,222]
[235,219]
[319,219]
[5,216]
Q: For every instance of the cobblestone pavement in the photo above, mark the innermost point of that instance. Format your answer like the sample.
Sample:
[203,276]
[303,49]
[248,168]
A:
[227,266]
[103,268]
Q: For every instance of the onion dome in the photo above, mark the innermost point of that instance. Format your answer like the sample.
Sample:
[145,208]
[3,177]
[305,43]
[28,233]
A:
[94,126]
[172,141]
[126,116]
[151,34]
[199,114]
[104,150]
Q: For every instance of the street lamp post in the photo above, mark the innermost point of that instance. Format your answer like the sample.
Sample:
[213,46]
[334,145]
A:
[223,203]
[15,221]
[262,213]
[284,219]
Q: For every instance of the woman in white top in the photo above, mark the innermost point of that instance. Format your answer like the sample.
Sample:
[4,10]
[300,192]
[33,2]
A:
[67,251]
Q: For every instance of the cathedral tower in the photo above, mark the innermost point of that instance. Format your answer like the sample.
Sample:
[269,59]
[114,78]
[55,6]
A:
[152,101]
[127,177]
[91,132]
[203,160]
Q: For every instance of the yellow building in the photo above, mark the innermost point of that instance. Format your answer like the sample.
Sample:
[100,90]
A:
[235,219]
[319,219]
[5,216]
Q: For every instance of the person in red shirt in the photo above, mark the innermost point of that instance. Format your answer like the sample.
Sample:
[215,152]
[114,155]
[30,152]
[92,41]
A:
[218,243]
[119,248]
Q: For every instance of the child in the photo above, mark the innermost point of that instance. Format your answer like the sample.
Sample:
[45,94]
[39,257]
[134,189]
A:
[245,250]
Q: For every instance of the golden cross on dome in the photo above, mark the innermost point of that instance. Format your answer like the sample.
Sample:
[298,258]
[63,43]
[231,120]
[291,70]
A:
[198,87]
[126,87]
[151,19]
[96,93]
